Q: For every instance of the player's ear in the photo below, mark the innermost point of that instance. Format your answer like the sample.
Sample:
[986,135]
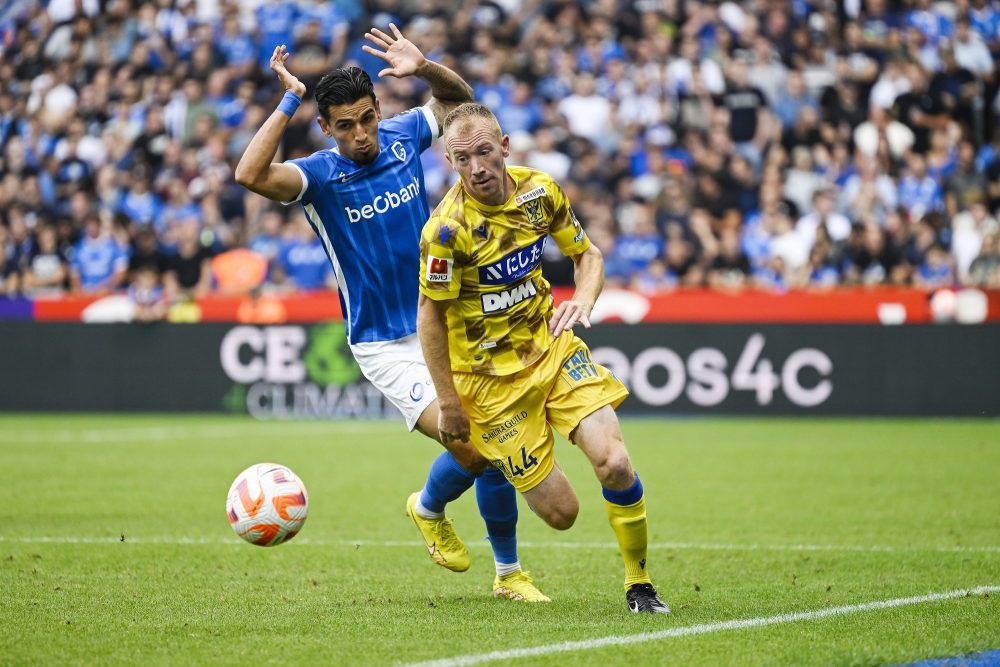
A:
[378,109]
[505,145]
[325,126]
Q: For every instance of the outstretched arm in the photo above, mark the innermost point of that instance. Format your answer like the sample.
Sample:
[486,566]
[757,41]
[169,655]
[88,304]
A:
[405,59]
[589,279]
[432,327]
[256,170]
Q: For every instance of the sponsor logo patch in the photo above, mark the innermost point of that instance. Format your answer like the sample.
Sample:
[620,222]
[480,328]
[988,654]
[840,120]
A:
[514,266]
[497,302]
[382,203]
[416,392]
[438,269]
[529,195]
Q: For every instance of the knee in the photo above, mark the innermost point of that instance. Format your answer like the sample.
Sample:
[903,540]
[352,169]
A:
[615,472]
[467,457]
[562,516]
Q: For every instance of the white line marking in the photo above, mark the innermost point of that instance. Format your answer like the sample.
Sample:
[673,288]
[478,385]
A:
[666,546]
[740,624]
[220,431]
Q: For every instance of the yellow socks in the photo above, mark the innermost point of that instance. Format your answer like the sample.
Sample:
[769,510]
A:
[627,516]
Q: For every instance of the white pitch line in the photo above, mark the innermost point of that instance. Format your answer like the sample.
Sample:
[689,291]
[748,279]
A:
[708,628]
[221,431]
[666,546]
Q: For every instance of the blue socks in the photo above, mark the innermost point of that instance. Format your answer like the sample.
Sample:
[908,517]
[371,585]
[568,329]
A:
[498,505]
[497,500]
[445,482]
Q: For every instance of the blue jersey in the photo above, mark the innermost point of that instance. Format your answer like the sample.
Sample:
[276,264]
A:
[369,218]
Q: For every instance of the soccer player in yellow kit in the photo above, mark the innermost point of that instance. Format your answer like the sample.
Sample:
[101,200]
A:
[506,364]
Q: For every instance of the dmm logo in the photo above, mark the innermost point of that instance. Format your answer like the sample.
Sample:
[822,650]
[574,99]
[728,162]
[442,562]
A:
[495,302]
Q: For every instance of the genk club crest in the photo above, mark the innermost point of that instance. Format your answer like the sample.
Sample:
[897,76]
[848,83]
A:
[398,150]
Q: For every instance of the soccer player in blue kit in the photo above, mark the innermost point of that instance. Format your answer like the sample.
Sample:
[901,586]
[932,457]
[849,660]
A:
[365,200]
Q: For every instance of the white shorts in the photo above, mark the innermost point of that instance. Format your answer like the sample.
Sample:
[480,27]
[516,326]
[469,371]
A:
[397,369]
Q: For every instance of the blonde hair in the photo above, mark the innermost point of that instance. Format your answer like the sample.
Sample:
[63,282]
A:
[464,113]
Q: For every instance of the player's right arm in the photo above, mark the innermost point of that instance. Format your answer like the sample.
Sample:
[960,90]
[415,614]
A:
[432,328]
[443,243]
[256,170]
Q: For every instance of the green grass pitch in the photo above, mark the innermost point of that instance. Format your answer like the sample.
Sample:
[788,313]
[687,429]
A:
[114,547]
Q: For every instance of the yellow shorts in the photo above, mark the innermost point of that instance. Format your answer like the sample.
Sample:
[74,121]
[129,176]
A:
[512,416]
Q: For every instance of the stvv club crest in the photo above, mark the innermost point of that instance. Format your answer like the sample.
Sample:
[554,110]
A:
[533,210]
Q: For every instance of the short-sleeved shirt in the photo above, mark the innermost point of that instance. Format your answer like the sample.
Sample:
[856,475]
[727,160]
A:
[369,219]
[98,259]
[488,260]
[305,263]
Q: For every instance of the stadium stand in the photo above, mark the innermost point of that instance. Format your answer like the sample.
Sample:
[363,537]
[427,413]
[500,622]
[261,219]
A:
[771,144]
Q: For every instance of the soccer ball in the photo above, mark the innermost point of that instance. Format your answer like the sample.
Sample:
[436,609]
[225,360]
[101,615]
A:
[267,504]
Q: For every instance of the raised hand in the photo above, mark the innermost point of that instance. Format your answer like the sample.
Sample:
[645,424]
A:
[403,57]
[278,59]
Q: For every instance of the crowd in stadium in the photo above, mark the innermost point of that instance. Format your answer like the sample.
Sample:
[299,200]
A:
[772,143]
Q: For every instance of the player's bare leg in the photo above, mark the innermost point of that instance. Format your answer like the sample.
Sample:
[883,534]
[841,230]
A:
[554,500]
[465,454]
[599,436]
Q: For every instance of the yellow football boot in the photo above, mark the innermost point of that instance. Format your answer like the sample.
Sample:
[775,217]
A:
[518,586]
[443,545]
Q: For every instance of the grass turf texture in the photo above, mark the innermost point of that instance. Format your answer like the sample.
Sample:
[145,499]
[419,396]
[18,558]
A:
[182,589]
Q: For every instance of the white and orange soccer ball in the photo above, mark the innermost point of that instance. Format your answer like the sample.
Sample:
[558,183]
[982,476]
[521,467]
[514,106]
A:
[267,504]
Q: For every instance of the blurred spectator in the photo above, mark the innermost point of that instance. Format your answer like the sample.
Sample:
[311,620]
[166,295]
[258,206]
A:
[985,269]
[969,229]
[546,157]
[823,216]
[642,243]
[99,263]
[730,268]
[937,269]
[883,130]
[302,260]
[10,274]
[238,271]
[47,269]
[966,183]
[795,98]
[146,253]
[267,242]
[870,258]
[147,295]
[587,113]
[918,192]
[188,271]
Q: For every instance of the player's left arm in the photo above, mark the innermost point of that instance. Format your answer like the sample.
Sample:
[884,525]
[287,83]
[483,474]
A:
[588,275]
[405,59]
[588,271]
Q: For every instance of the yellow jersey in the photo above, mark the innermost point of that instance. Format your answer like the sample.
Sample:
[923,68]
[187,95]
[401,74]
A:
[488,260]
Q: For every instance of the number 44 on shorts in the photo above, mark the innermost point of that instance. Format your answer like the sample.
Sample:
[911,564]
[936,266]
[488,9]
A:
[511,469]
